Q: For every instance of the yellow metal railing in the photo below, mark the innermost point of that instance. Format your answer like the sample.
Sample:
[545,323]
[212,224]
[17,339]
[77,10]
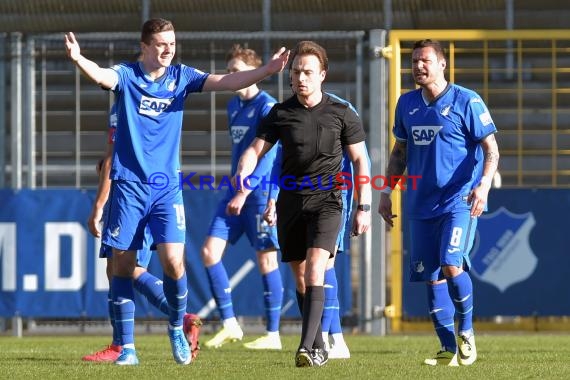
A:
[524,78]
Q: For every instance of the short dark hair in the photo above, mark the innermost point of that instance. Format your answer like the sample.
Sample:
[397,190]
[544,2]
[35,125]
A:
[434,44]
[311,48]
[248,56]
[154,26]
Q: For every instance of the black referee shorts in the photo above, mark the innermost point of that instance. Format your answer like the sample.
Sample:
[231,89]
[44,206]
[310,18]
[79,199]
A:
[307,221]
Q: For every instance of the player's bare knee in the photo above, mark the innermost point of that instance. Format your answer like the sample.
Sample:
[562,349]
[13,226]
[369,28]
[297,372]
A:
[267,261]
[210,256]
[450,271]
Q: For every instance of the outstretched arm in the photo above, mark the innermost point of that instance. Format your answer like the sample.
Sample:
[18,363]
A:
[243,79]
[104,77]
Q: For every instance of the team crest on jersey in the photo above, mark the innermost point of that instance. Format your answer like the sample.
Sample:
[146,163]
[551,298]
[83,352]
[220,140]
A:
[445,110]
[424,134]
[153,106]
[502,255]
[238,132]
[171,86]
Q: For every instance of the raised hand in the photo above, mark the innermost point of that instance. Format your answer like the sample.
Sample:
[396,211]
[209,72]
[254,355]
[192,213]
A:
[278,61]
[72,47]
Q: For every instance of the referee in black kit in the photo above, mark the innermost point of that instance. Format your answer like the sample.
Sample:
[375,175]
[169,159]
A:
[313,129]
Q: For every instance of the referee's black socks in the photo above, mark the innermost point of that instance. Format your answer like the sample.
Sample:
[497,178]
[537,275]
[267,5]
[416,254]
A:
[313,305]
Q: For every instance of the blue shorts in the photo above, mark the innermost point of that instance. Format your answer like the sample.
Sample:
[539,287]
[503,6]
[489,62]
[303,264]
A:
[250,221]
[143,255]
[134,206]
[343,238]
[441,241]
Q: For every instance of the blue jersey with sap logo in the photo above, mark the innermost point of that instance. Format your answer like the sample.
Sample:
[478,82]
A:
[443,147]
[243,118]
[150,115]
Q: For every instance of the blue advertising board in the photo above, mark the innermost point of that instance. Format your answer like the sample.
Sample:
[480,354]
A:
[519,259]
[49,265]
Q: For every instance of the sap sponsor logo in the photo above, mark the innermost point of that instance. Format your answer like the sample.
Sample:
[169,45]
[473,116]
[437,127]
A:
[424,134]
[485,118]
[238,132]
[153,106]
[502,255]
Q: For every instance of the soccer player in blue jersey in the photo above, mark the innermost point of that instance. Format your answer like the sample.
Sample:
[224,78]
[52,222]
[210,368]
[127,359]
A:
[145,188]
[244,113]
[446,136]
[313,129]
[147,284]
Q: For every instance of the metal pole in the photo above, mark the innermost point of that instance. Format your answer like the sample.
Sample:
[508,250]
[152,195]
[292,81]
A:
[145,10]
[16,109]
[266,28]
[77,128]
[212,114]
[2,114]
[44,115]
[388,14]
[29,112]
[509,25]
[378,154]
[17,326]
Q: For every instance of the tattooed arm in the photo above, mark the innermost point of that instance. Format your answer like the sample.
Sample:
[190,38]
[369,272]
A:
[396,167]
[478,197]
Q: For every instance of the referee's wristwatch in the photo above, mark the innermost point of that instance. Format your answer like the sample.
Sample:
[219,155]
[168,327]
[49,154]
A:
[364,207]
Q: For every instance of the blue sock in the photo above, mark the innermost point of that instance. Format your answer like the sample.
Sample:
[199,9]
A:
[220,287]
[335,326]
[151,287]
[461,293]
[442,312]
[176,293]
[111,308]
[331,300]
[124,308]
[273,298]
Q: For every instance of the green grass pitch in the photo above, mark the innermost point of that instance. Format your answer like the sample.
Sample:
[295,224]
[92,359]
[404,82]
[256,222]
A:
[514,356]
